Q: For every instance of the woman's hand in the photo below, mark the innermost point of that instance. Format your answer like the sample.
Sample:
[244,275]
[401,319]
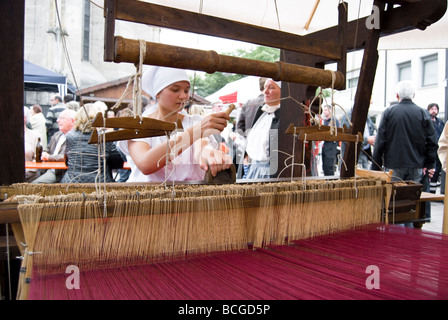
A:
[214,123]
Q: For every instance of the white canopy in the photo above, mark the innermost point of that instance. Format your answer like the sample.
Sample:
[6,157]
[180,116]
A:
[247,88]
[294,16]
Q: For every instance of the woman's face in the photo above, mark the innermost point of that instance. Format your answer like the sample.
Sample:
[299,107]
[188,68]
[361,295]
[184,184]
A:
[172,97]
[272,93]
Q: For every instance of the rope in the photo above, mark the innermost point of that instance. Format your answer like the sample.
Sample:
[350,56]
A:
[136,79]
[137,92]
[356,158]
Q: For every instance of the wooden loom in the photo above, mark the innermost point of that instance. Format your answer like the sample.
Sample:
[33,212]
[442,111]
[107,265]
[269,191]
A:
[148,228]
[268,217]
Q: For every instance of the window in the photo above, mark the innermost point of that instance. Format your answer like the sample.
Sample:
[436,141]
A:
[353,82]
[404,71]
[86,32]
[429,72]
[353,78]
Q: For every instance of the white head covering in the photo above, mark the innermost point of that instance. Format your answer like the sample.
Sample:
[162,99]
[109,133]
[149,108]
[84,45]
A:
[157,78]
[101,105]
[279,83]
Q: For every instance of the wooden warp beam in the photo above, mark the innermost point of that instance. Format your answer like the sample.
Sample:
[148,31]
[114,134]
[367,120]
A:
[128,50]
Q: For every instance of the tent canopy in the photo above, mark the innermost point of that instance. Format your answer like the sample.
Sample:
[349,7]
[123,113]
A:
[239,91]
[292,16]
[37,78]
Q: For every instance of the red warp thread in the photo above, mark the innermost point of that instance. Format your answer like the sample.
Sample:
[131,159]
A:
[412,265]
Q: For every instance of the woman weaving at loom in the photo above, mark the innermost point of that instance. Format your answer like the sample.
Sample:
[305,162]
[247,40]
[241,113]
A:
[191,153]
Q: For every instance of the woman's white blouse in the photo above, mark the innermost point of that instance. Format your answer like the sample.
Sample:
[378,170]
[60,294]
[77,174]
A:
[182,168]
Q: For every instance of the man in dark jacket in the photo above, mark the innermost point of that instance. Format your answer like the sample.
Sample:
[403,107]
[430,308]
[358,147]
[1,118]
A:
[433,109]
[406,139]
[329,148]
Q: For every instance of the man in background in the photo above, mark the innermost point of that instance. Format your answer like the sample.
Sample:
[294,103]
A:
[433,109]
[53,114]
[329,148]
[56,147]
[406,141]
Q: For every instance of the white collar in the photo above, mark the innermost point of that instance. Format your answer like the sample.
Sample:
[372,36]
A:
[270,109]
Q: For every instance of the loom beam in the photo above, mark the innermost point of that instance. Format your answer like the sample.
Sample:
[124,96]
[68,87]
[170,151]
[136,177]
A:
[128,50]
[9,210]
[323,133]
[407,202]
[182,20]
[131,128]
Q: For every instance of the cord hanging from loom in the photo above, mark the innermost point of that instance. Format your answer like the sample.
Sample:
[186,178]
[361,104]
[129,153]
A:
[102,156]
[356,163]
[293,152]
[137,85]
[170,154]
[292,157]
[137,111]
[313,119]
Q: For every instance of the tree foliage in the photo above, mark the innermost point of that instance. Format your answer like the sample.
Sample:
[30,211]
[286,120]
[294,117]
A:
[206,84]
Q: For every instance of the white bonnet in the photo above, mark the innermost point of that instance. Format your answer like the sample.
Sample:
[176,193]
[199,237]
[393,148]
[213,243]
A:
[279,83]
[157,78]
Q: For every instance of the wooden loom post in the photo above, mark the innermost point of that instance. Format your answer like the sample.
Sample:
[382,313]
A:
[109,29]
[304,92]
[445,210]
[363,94]
[12,22]
[12,161]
